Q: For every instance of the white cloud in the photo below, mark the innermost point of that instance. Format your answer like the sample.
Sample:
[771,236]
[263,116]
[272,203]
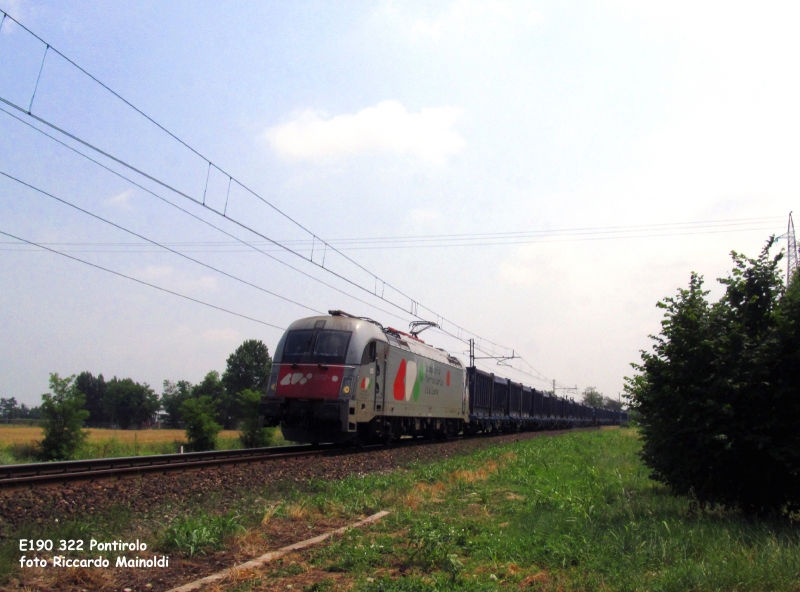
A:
[386,128]
[465,18]
[122,200]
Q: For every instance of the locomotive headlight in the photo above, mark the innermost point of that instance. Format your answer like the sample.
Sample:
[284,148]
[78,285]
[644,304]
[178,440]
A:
[347,385]
[273,384]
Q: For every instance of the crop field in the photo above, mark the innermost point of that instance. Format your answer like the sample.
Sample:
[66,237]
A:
[569,512]
[25,435]
[18,443]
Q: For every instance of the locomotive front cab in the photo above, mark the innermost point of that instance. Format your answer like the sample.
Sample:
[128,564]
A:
[315,376]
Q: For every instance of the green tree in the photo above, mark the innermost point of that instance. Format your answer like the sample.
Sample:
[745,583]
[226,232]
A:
[592,397]
[172,399]
[201,429]
[248,368]
[9,408]
[130,403]
[95,391]
[224,402]
[613,404]
[719,396]
[25,412]
[252,434]
[63,414]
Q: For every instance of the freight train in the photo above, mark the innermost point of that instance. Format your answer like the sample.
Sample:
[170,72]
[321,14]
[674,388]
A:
[342,378]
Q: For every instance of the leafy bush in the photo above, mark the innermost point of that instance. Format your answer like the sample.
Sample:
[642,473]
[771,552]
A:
[201,429]
[63,415]
[719,396]
[252,434]
[198,534]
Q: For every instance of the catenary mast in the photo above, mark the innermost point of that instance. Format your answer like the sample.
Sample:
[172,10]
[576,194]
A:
[792,264]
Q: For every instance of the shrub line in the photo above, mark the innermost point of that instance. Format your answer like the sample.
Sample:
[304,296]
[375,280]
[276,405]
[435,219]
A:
[272,555]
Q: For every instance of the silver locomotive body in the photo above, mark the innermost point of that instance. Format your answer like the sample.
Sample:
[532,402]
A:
[339,378]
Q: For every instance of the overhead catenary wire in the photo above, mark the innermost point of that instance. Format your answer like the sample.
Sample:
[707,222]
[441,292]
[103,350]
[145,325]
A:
[250,244]
[157,244]
[231,247]
[494,370]
[144,283]
[199,203]
[39,246]
[414,305]
[534,373]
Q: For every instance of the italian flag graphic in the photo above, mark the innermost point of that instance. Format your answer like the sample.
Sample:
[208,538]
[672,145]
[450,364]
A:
[408,380]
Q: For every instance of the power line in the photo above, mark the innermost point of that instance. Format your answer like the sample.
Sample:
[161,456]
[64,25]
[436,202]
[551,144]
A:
[197,202]
[144,283]
[514,234]
[144,238]
[414,306]
[591,229]
[250,244]
[493,370]
[230,247]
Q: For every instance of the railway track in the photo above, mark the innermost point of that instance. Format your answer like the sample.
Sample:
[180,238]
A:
[53,473]
[34,475]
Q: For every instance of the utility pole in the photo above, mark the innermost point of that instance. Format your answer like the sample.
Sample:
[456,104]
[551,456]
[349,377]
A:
[792,264]
[554,386]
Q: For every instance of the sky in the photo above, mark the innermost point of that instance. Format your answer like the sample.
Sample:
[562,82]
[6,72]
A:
[537,174]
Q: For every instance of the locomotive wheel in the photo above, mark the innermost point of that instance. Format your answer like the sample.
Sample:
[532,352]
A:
[387,436]
[362,437]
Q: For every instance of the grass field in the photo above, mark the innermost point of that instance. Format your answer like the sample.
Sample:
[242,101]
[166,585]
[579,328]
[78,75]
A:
[571,512]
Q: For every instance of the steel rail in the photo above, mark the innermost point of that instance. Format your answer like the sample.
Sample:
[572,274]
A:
[48,473]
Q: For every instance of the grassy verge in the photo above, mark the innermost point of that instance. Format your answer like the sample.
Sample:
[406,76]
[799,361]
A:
[570,513]
[573,512]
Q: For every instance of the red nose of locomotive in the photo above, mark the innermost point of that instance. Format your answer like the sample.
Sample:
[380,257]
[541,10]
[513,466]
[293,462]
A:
[309,381]
[311,386]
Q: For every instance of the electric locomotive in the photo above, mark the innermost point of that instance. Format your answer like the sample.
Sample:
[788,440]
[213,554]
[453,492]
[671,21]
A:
[343,378]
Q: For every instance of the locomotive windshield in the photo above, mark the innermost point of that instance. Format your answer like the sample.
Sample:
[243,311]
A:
[316,346]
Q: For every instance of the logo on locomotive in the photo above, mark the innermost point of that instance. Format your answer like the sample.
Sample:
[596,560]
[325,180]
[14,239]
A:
[410,378]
